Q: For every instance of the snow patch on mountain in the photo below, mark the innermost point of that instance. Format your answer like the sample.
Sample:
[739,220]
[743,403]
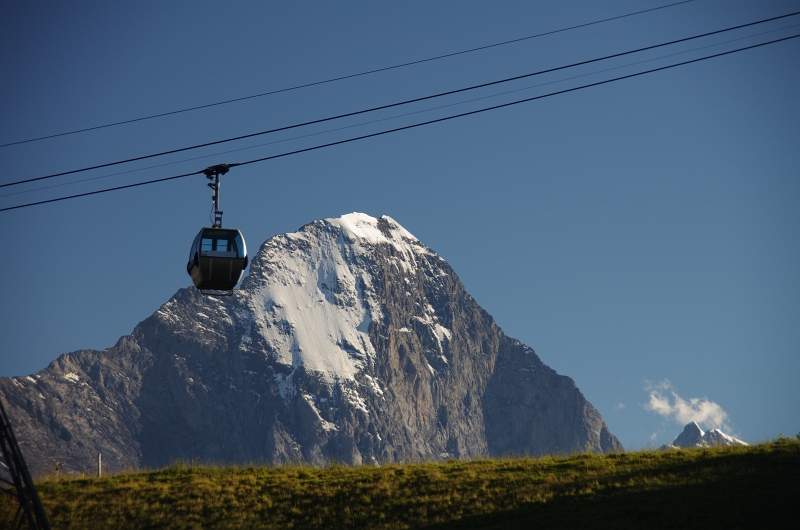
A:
[311,399]
[311,296]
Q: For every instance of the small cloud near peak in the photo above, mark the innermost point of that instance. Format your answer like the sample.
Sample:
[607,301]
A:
[665,402]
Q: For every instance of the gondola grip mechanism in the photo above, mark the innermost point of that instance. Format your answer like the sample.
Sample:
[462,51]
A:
[213,173]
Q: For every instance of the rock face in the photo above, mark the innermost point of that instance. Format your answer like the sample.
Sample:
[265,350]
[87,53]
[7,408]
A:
[349,341]
[693,436]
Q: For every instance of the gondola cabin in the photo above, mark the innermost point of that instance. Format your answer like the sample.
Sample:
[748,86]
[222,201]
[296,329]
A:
[217,259]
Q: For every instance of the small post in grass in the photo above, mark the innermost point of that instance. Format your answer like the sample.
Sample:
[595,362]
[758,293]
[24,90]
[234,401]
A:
[99,465]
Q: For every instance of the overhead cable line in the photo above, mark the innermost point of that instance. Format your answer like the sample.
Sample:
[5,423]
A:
[397,129]
[400,103]
[397,116]
[341,78]
[104,190]
[512,103]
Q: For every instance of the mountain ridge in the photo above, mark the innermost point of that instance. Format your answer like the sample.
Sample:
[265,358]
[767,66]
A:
[349,340]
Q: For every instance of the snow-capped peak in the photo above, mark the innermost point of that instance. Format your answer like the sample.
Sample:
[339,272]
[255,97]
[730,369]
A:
[364,231]
[310,293]
[693,436]
[368,229]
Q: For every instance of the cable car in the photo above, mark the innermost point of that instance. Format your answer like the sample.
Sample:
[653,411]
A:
[219,255]
[217,259]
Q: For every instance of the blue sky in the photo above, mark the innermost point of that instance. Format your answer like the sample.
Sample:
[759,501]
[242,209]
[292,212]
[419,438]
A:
[643,236]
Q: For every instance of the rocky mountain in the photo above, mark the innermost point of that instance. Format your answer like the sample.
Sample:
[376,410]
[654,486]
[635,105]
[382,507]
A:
[693,436]
[348,341]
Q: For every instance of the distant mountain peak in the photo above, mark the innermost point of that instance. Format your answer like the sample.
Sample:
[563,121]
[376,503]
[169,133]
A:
[690,435]
[693,436]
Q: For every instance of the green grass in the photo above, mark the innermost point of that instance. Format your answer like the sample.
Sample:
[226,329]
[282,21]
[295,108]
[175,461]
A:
[739,487]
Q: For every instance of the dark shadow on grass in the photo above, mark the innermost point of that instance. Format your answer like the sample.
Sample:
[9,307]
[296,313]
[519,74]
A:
[753,498]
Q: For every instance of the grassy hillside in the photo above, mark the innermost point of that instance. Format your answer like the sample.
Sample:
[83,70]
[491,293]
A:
[741,487]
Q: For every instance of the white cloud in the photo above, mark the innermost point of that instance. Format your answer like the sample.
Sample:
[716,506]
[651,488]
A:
[619,406]
[706,413]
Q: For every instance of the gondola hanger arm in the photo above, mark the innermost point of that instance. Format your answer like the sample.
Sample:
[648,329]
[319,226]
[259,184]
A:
[213,173]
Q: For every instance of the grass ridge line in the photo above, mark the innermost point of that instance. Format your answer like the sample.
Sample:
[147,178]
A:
[730,487]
